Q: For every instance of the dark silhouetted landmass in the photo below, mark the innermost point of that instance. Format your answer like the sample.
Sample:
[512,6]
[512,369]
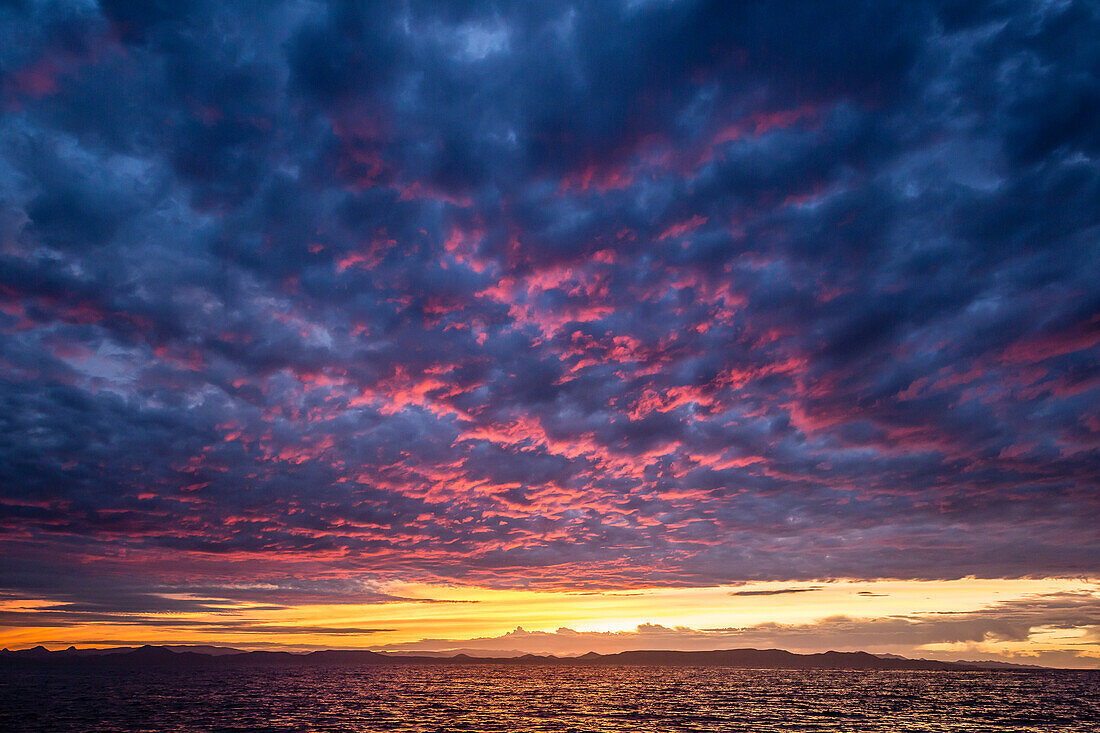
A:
[182,657]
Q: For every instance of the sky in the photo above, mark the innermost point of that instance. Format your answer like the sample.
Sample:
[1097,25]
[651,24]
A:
[551,326]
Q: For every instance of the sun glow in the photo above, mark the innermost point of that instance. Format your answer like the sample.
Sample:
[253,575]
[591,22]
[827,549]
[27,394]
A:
[445,616]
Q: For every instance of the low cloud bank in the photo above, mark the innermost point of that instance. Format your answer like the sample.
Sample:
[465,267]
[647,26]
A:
[995,628]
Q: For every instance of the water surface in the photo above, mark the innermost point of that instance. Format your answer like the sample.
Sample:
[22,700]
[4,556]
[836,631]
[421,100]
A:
[547,698]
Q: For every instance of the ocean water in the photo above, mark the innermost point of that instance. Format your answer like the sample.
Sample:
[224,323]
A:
[546,698]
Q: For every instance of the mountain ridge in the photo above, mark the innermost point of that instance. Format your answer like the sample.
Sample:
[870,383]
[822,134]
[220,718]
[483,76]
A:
[187,657]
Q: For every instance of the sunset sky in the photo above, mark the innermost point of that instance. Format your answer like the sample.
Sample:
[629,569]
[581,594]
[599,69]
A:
[635,324]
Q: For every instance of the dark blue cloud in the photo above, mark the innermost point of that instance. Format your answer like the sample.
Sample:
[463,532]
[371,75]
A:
[513,295]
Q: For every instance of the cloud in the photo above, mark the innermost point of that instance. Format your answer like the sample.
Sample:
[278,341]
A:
[1015,620]
[608,296]
[776,591]
[64,617]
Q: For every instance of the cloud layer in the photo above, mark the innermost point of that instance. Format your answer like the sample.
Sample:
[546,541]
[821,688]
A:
[587,295]
[1002,623]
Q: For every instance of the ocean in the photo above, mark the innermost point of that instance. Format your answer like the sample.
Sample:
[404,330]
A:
[514,698]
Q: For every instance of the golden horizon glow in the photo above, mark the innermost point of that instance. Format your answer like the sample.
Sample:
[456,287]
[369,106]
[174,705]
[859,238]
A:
[456,612]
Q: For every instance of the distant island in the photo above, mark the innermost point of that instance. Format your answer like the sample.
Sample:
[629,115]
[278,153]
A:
[193,657]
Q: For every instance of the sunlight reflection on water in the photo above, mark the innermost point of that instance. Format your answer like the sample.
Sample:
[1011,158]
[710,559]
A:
[546,698]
